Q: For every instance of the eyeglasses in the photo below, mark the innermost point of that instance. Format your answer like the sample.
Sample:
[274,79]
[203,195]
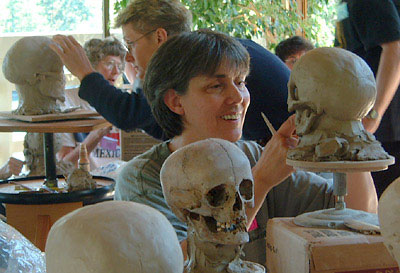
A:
[132,44]
[111,64]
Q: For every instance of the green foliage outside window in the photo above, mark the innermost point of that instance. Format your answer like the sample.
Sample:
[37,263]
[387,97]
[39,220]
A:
[263,19]
[45,15]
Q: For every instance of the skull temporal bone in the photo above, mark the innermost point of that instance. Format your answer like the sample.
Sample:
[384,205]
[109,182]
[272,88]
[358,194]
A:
[207,184]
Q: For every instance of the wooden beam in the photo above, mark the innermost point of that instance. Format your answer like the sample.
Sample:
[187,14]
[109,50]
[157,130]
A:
[106,18]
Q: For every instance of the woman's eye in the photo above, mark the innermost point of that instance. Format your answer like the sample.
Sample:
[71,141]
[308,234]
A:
[215,87]
[241,84]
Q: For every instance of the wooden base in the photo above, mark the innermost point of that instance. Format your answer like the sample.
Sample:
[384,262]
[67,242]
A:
[35,221]
[61,126]
[342,166]
[77,114]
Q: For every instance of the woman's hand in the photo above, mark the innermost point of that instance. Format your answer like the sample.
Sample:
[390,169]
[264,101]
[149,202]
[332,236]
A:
[72,55]
[271,168]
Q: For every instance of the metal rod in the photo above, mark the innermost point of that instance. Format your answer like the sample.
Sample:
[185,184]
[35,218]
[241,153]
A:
[49,159]
[340,190]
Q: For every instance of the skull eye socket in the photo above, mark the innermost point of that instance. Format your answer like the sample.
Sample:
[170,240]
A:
[217,196]
[246,189]
[294,95]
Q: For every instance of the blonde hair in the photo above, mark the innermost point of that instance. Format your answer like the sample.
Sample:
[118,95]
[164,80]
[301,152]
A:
[148,15]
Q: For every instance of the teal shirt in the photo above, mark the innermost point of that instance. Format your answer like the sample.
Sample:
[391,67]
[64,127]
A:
[139,181]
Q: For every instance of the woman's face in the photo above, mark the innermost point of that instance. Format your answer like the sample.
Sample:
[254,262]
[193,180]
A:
[215,106]
[110,67]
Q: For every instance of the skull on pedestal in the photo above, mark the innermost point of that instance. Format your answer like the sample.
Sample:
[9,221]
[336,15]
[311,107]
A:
[331,90]
[37,73]
[208,184]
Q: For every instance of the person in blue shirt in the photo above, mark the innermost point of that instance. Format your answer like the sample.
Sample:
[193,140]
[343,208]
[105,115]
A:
[146,25]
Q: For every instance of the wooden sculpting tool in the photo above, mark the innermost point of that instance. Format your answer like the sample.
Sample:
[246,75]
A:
[269,124]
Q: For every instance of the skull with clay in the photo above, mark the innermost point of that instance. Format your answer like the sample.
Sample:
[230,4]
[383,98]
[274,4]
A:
[208,184]
[113,236]
[389,218]
[37,73]
[331,90]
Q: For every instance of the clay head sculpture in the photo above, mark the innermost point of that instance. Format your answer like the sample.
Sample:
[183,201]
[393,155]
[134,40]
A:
[389,218]
[331,90]
[37,73]
[113,236]
[208,184]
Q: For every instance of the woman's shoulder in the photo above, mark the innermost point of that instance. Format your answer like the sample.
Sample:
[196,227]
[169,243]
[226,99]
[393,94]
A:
[152,159]
[251,149]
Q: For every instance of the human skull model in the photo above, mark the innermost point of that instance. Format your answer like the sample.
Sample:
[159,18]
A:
[37,73]
[208,184]
[331,90]
[389,218]
[113,236]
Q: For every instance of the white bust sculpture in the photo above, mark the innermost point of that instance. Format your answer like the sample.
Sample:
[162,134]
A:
[113,236]
[207,184]
[389,218]
[37,73]
[331,90]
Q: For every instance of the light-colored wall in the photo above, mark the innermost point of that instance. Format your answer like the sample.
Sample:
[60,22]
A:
[7,146]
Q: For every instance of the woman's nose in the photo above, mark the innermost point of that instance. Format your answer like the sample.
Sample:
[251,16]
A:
[235,93]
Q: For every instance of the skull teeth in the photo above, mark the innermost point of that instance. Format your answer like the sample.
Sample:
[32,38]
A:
[238,225]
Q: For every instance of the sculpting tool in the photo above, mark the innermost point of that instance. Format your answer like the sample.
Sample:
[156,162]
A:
[269,124]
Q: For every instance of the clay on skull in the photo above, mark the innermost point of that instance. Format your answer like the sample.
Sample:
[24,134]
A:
[80,179]
[208,184]
[37,73]
[331,90]
[389,218]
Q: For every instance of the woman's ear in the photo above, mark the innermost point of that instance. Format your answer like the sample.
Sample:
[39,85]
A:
[162,35]
[173,102]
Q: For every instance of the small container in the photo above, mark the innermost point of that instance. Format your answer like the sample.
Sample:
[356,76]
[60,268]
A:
[83,161]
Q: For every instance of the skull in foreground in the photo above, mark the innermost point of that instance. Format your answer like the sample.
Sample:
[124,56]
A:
[208,184]
[113,236]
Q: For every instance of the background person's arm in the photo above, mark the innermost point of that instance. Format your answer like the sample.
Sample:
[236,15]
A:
[361,193]
[387,82]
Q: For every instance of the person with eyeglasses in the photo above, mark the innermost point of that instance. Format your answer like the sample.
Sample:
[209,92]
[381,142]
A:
[146,25]
[107,56]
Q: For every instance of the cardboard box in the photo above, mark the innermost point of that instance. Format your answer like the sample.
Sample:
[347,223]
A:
[294,249]
[135,143]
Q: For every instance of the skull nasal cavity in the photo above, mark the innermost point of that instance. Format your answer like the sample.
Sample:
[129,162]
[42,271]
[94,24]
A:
[217,196]
[246,189]
[238,203]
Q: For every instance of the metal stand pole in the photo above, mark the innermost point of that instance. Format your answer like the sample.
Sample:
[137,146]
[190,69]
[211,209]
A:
[49,159]
[340,190]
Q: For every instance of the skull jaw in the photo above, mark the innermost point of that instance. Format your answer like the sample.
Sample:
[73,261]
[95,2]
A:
[205,256]
[336,140]
[208,232]
[32,102]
